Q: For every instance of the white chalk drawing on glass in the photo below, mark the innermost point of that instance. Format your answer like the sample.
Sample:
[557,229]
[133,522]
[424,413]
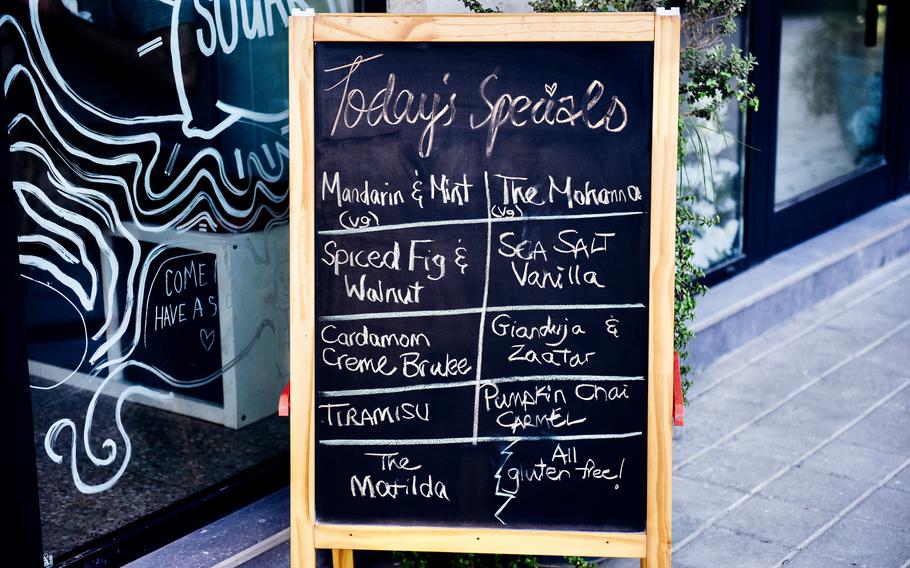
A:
[149,157]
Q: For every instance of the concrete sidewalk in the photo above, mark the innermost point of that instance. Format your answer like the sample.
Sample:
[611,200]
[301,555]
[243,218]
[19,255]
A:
[797,446]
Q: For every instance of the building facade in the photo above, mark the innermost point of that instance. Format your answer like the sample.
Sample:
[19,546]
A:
[144,162]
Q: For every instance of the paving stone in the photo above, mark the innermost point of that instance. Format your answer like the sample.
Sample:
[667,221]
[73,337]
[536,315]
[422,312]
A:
[690,439]
[893,355]
[774,440]
[710,419]
[729,468]
[854,461]
[718,371]
[894,348]
[722,410]
[768,342]
[762,382]
[865,322]
[816,315]
[850,387]
[815,490]
[804,416]
[775,521]
[888,507]
[901,481]
[683,526]
[719,547]
[864,542]
[851,305]
[853,388]
[892,299]
[278,557]
[810,355]
[700,500]
[814,560]
[885,367]
[887,428]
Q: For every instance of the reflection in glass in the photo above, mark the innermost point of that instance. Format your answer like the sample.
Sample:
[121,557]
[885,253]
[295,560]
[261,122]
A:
[713,173]
[829,119]
[149,159]
[713,170]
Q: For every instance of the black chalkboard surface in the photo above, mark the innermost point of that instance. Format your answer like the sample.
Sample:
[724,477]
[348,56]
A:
[481,284]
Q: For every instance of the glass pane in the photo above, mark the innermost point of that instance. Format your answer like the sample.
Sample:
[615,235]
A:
[829,119]
[713,170]
[713,173]
[149,159]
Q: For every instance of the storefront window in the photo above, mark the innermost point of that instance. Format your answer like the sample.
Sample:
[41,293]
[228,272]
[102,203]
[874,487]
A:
[713,173]
[829,118]
[149,159]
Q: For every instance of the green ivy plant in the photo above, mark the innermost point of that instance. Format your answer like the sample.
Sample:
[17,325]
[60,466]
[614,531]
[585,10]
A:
[425,560]
[712,74]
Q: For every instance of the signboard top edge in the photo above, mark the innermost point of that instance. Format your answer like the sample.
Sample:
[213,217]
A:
[579,27]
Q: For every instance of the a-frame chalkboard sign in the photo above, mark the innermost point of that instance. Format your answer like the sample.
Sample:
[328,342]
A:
[482,229]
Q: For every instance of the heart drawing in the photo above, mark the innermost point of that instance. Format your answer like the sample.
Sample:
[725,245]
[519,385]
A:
[207,337]
[550,89]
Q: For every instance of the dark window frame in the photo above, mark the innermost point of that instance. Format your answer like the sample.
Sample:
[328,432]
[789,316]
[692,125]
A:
[770,229]
[21,541]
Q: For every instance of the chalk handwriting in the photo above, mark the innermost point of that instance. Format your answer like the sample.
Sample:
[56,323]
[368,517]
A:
[562,465]
[393,104]
[520,110]
[344,414]
[390,107]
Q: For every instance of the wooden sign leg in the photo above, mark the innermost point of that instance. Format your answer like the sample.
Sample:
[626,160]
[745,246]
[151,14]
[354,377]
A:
[303,547]
[342,558]
[660,371]
[303,513]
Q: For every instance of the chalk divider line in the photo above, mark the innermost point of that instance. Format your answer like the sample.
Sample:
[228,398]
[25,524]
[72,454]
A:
[469,311]
[483,310]
[496,381]
[843,513]
[472,440]
[700,530]
[476,221]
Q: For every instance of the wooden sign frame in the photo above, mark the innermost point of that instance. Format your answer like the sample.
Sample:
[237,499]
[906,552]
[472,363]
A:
[661,28]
